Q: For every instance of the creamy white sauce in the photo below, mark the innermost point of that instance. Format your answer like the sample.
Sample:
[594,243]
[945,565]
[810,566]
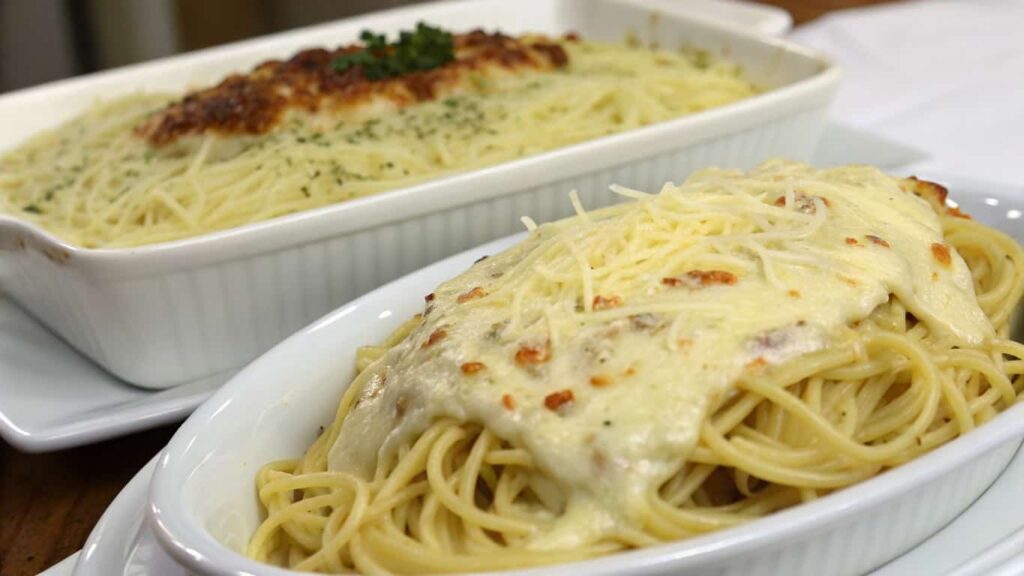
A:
[643,371]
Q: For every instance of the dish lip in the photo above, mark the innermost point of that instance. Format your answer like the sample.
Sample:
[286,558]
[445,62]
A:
[180,535]
[140,483]
[451,190]
[116,522]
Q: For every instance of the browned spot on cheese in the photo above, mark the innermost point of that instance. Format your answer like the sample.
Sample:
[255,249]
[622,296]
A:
[599,381]
[257,102]
[529,355]
[556,400]
[941,254]
[851,241]
[709,277]
[470,368]
[605,303]
[435,337]
[876,240]
[933,193]
[794,293]
[803,202]
[508,402]
[555,53]
[647,322]
[701,278]
[955,212]
[712,277]
[473,294]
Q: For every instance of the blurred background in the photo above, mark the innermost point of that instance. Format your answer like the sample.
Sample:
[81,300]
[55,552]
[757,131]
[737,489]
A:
[44,40]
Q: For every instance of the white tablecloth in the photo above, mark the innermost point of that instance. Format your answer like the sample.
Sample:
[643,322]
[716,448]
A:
[944,76]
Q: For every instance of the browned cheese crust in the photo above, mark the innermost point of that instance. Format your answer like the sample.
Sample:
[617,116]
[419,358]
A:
[256,102]
[934,194]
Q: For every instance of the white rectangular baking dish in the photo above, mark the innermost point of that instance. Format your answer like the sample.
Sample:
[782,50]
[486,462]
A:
[162,315]
[203,507]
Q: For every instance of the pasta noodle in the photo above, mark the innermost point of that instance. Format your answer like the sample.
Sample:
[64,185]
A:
[477,493]
[96,183]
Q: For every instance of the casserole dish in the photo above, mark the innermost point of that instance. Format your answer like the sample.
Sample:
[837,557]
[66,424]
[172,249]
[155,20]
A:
[164,314]
[203,507]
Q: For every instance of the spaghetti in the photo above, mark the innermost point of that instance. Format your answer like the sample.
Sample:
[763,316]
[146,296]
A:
[656,370]
[146,169]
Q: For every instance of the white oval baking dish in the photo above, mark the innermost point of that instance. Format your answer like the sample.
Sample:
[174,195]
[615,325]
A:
[165,314]
[203,506]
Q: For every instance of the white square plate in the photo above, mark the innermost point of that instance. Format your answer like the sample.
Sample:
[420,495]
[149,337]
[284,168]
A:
[51,397]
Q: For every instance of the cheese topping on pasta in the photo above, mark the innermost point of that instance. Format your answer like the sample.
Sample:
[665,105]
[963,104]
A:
[680,364]
[600,344]
[327,126]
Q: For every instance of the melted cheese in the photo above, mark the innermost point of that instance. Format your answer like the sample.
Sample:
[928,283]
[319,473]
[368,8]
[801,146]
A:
[600,342]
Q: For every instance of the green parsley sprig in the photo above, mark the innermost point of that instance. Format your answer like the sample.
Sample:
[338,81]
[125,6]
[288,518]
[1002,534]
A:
[425,48]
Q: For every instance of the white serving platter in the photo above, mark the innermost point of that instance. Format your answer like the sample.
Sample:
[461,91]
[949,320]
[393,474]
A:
[51,397]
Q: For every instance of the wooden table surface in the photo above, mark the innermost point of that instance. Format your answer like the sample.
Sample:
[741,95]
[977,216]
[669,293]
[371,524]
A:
[50,502]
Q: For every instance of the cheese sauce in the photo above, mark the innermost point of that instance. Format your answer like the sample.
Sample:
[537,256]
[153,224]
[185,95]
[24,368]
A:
[600,343]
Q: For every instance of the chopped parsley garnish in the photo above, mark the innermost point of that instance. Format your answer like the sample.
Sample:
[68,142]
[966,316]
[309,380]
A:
[425,48]
[353,59]
[32,208]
